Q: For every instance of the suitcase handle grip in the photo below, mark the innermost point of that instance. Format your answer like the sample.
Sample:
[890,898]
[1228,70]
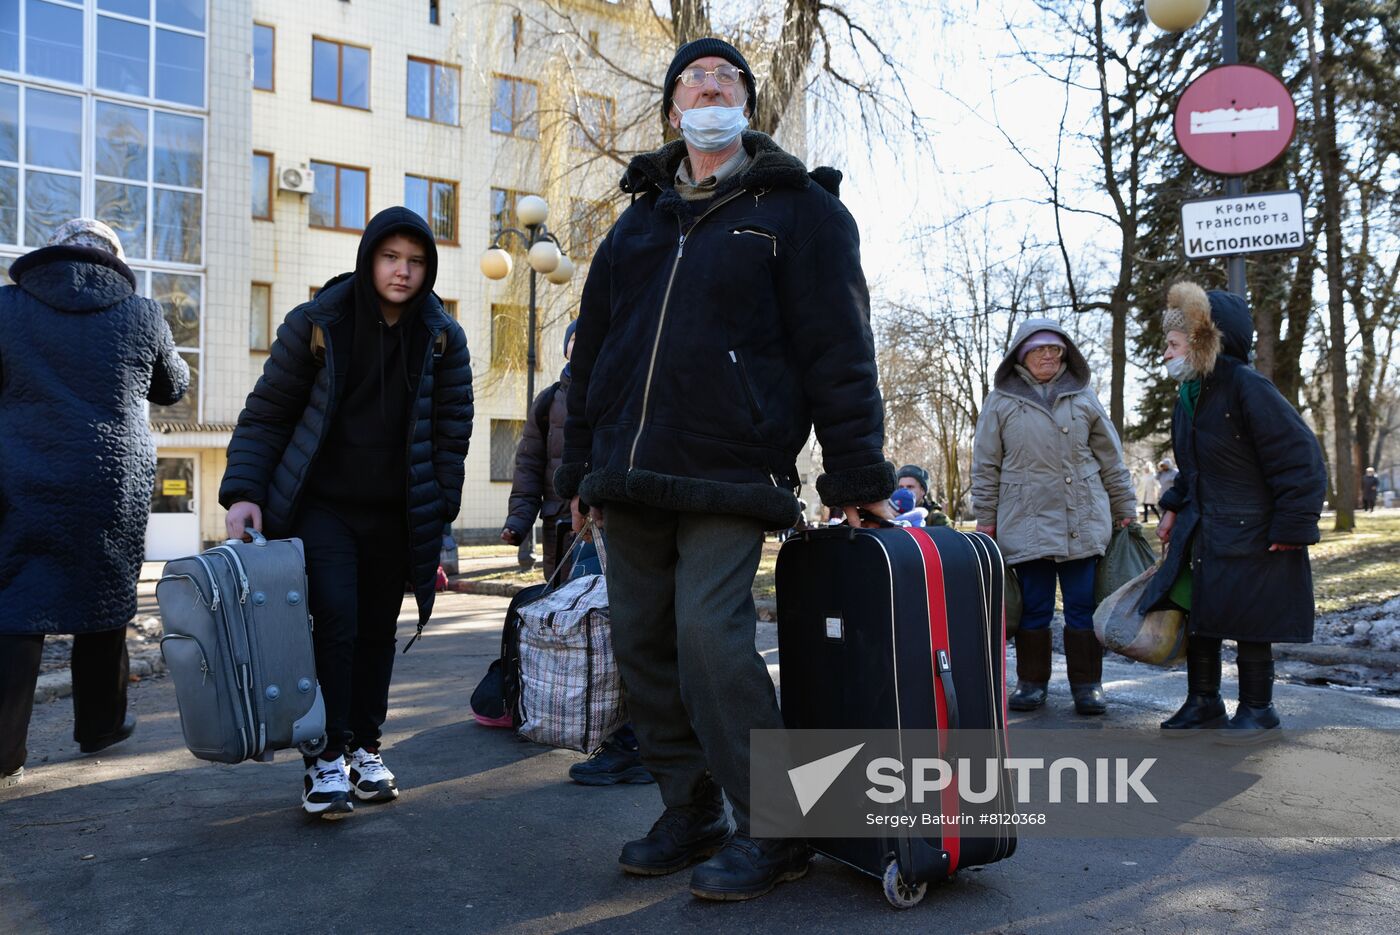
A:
[258,538]
[950,694]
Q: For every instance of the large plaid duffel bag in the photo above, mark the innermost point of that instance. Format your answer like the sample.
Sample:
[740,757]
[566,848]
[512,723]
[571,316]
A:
[570,689]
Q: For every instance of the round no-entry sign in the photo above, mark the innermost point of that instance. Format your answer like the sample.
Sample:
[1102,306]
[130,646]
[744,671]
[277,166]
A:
[1235,119]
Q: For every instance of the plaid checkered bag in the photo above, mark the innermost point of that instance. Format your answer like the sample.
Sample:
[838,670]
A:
[570,688]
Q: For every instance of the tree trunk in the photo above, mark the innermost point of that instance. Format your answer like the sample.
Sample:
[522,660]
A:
[1324,98]
[690,19]
[788,64]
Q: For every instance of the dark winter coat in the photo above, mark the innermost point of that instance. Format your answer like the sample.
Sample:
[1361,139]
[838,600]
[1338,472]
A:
[288,414]
[79,353]
[537,457]
[713,334]
[1250,474]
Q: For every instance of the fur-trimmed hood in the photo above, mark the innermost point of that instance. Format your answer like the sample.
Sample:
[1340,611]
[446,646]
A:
[1214,323]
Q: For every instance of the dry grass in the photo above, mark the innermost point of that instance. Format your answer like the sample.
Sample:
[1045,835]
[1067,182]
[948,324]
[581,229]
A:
[1358,568]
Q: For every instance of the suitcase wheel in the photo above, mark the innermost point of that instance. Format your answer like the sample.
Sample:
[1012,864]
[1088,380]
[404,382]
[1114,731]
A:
[900,894]
[312,747]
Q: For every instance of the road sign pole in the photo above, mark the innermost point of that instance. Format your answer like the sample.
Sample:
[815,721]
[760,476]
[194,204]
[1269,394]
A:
[1234,186]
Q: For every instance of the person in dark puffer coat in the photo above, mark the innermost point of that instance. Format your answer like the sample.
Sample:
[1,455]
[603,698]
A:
[537,457]
[1239,516]
[80,352]
[357,449]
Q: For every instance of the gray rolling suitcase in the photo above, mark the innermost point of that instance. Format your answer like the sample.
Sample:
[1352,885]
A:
[238,644]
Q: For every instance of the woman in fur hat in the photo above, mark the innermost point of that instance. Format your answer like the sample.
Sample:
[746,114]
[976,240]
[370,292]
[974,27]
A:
[1239,516]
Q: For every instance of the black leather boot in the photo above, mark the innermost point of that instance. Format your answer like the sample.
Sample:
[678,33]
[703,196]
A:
[106,740]
[1084,662]
[748,867]
[1255,719]
[1032,670]
[680,837]
[1203,709]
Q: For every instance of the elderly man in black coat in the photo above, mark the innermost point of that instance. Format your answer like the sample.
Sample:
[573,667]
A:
[80,354]
[1239,516]
[353,441]
[724,315]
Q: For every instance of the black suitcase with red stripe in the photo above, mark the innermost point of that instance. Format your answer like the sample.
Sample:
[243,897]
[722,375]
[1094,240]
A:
[921,646]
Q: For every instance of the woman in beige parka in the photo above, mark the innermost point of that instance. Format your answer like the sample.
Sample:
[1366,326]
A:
[1049,483]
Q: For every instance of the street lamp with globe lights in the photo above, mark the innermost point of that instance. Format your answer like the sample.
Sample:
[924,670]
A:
[544,256]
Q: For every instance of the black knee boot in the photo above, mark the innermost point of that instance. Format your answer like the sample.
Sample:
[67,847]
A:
[1255,719]
[1203,708]
[1084,663]
[1032,670]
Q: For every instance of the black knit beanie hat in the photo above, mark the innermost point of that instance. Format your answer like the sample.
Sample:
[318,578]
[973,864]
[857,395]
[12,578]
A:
[701,48]
[916,472]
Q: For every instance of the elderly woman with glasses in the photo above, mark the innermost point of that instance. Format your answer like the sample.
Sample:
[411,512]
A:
[1049,483]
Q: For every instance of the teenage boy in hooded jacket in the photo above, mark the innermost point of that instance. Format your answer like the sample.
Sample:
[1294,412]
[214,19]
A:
[724,314]
[353,441]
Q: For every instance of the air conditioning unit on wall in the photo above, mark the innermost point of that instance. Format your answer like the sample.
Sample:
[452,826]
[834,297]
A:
[296,179]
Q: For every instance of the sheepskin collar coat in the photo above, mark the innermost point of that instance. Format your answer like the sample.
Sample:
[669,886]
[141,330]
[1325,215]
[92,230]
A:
[712,336]
[1251,475]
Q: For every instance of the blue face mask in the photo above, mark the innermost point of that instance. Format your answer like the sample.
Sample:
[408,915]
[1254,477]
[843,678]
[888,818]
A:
[1179,370]
[711,129]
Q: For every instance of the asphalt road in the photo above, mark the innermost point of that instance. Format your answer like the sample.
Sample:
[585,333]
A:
[489,836]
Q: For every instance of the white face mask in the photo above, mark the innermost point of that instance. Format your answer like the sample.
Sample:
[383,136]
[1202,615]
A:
[711,129]
[1179,370]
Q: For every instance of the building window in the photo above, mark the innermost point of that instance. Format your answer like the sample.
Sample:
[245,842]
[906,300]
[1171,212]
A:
[509,325]
[514,109]
[148,176]
[52,44]
[517,33]
[341,199]
[505,438]
[433,91]
[594,122]
[179,298]
[593,42]
[260,330]
[160,57]
[503,202]
[264,61]
[434,12]
[340,73]
[589,222]
[262,186]
[312,292]
[450,307]
[435,201]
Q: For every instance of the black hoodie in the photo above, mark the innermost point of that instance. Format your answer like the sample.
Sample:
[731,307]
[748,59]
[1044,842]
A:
[364,458]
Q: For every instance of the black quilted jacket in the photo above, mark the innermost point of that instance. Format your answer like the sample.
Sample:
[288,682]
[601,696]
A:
[79,353]
[287,416]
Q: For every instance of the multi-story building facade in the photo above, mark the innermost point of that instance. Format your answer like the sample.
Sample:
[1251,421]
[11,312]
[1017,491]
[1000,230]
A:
[239,147]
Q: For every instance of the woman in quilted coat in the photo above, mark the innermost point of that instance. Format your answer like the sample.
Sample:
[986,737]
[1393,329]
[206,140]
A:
[80,353]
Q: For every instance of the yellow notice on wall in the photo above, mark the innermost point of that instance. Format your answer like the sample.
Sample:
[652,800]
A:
[174,488]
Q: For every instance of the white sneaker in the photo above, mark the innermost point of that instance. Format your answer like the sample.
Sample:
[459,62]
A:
[12,779]
[326,790]
[370,778]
